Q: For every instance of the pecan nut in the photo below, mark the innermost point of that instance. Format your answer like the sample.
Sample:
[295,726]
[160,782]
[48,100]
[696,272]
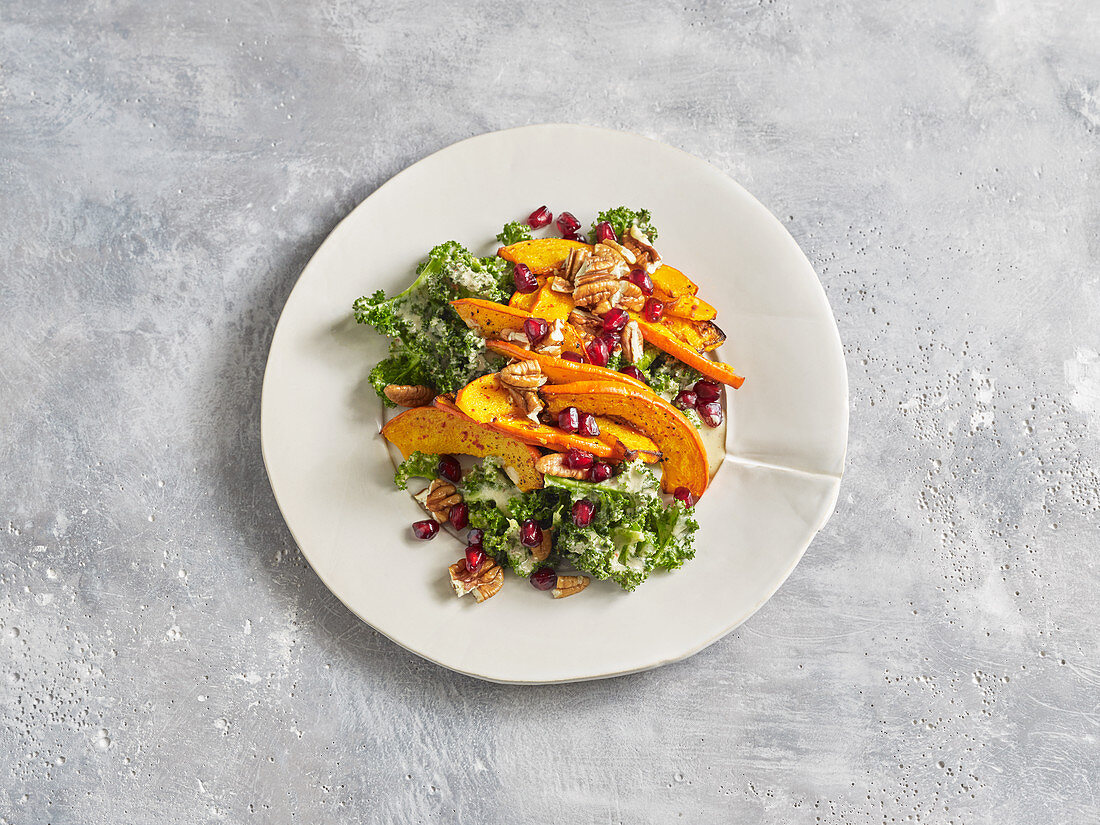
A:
[627,254]
[404,395]
[553,464]
[633,343]
[612,293]
[541,552]
[605,262]
[559,284]
[554,340]
[442,496]
[523,375]
[646,255]
[569,585]
[585,321]
[484,584]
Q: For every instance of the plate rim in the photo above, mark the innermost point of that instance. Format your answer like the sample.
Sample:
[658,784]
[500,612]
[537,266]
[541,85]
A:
[836,478]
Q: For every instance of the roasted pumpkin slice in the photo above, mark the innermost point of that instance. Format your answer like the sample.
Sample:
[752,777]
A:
[445,429]
[490,319]
[685,458]
[487,402]
[689,307]
[702,336]
[542,256]
[673,282]
[664,340]
[559,370]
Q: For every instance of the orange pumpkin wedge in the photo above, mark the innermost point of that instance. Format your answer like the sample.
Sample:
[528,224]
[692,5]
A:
[689,307]
[542,256]
[486,401]
[489,319]
[524,300]
[664,340]
[671,281]
[560,371]
[701,336]
[616,433]
[443,429]
[685,458]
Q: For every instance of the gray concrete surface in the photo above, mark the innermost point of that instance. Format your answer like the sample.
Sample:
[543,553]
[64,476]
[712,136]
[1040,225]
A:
[166,169]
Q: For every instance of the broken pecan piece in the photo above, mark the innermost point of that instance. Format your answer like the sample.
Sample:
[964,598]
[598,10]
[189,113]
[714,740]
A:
[484,584]
[523,375]
[573,263]
[404,395]
[633,343]
[541,552]
[442,496]
[568,585]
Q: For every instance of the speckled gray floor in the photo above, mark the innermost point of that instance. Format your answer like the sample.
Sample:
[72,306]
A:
[166,169]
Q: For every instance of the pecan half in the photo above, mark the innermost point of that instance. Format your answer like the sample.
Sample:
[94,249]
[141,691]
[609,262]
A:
[643,249]
[633,343]
[612,293]
[573,263]
[553,464]
[568,585]
[585,321]
[559,284]
[523,375]
[541,552]
[442,496]
[628,256]
[404,395]
[604,263]
[484,584]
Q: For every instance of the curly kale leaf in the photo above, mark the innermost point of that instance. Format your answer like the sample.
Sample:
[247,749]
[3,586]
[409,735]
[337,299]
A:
[432,345]
[417,465]
[514,232]
[622,218]
[499,532]
[676,528]
[668,375]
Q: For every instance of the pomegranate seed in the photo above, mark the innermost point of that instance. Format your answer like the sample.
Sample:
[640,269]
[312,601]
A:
[544,579]
[460,516]
[569,420]
[475,536]
[654,309]
[684,496]
[567,223]
[612,341]
[583,511]
[572,356]
[711,413]
[707,391]
[475,557]
[599,472]
[530,534]
[640,278]
[604,232]
[588,425]
[426,529]
[575,236]
[598,352]
[524,280]
[634,373]
[686,400]
[615,320]
[540,218]
[578,459]
[535,329]
[449,468]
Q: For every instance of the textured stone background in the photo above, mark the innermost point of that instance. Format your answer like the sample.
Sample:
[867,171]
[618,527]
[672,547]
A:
[166,169]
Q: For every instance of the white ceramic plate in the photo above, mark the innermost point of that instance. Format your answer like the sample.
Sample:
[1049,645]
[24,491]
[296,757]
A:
[785,445]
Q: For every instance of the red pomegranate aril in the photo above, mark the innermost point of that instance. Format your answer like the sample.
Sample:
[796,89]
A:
[634,373]
[684,496]
[475,557]
[604,232]
[707,391]
[572,356]
[615,320]
[567,223]
[449,468]
[525,281]
[598,352]
[640,278]
[544,579]
[460,516]
[540,218]
[475,536]
[535,329]
[575,236]
[654,309]
[583,511]
[599,472]
[686,400]
[530,534]
[426,529]
[578,459]
[588,425]
[569,420]
[711,413]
